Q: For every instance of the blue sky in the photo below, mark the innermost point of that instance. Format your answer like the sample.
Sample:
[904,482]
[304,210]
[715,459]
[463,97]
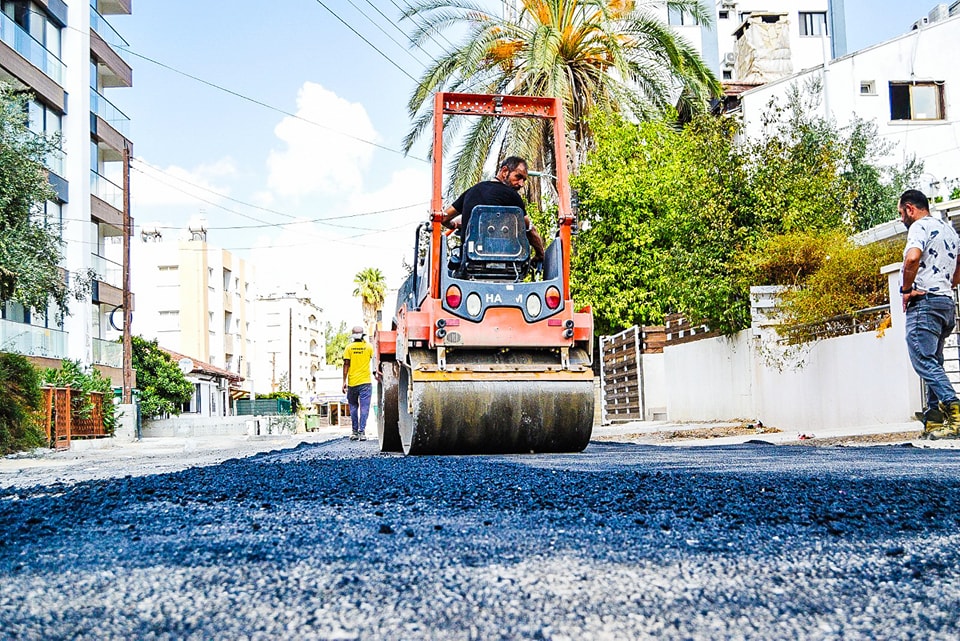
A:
[297,57]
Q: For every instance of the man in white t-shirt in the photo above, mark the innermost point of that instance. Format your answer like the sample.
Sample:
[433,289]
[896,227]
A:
[929,275]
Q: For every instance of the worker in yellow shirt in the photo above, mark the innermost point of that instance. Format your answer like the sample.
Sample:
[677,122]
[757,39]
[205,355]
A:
[357,383]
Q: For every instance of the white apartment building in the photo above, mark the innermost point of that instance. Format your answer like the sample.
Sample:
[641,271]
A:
[290,342]
[53,50]
[196,299]
[909,86]
[755,41]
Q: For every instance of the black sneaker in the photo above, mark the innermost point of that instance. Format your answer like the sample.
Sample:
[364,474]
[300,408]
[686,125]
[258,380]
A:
[363,436]
[354,436]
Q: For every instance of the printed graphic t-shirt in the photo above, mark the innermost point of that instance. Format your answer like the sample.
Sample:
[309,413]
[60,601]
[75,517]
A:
[938,241]
[359,354]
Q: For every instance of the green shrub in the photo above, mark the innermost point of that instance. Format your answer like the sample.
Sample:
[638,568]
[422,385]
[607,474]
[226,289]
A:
[20,400]
[827,273]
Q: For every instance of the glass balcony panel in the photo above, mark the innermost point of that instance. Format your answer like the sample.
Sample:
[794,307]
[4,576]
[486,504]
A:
[106,31]
[106,191]
[108,271]
[32,341]
[107,353]
[109,113]
[38,55]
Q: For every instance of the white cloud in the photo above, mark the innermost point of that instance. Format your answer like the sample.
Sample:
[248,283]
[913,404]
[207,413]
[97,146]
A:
[327,258]
[316,159]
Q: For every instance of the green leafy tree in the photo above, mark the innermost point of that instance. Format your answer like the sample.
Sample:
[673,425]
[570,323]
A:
[337,341]
[86,379]
[596,55]
[31,250]
[667,212]
[371,289]
[163,387]
[20,399]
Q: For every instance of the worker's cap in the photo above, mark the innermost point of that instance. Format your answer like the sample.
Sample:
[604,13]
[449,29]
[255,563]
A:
[357,332]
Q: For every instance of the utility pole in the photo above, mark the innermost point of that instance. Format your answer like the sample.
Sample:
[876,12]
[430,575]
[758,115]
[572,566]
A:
[127,313]
[290,350]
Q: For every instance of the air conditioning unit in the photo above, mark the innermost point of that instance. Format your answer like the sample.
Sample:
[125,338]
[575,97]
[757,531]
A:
[920,24]
[730,59]
[729,4]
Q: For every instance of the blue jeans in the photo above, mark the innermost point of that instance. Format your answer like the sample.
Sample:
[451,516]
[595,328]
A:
[358,398]
[929,322]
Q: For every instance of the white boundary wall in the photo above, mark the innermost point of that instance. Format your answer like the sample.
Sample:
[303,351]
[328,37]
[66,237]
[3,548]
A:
[858,380]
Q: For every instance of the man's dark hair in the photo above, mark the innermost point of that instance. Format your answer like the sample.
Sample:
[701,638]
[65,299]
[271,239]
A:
[916,198]
[512,162]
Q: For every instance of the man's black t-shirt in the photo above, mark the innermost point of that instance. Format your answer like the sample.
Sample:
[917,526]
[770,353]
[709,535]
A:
[488,192]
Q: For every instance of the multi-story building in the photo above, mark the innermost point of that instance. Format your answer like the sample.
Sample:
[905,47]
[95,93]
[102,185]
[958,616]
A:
[756,41]
[291,348]
[908,87]
[52,50]
[200,300]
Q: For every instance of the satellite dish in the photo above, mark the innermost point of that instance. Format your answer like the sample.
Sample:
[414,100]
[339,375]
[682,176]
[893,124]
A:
[185,365]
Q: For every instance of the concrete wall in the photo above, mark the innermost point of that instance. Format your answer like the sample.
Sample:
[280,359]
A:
[857,380]
[654,387]
[198,426]
[710,379]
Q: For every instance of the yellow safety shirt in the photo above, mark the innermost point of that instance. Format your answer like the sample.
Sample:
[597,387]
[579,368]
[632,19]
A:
[359,354]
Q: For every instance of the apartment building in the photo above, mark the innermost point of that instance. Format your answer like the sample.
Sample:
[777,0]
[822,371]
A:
[52,50]
[909,86]
[756,41]
[291,348]
[198,299]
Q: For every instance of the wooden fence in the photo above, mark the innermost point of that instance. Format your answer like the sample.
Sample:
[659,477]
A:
[61,423]
[621,373]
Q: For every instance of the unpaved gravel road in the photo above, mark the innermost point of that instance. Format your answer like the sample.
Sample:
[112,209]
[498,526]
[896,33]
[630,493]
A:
[333,541]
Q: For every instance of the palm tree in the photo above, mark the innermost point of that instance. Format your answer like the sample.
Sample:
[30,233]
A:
[611,55]
[371,289]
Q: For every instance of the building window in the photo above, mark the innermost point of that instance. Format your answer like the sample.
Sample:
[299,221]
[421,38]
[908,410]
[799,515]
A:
[724,15]
[916,101]
[680,18]
[868,88]
[727,74]
[813,23]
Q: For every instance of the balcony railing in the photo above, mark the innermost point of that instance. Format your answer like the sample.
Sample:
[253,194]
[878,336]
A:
[107,271]
[109,113]
[107,353]
[24,44]
[106,31]
[106,190]
[32,341]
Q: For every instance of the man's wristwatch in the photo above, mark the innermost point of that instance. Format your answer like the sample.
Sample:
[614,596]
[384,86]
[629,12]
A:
[907,291]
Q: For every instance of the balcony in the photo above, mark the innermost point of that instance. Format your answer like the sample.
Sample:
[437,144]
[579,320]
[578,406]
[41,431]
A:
[106,191]
[38,55]
[107,271]
[107,353]
[32,341]
[109,35]
[228,344]
[109,113]
[227,302]
[112,7]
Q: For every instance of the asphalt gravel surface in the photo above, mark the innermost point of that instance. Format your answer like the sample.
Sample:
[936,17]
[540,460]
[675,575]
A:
[335,541]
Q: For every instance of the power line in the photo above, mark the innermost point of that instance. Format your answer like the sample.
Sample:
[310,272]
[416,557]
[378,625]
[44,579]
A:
[296,220]
[373,46]
[383,31]
[260,103]
[263,224]
[397,27]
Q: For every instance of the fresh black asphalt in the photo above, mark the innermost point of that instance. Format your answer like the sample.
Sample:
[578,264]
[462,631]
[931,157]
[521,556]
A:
[334,541]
